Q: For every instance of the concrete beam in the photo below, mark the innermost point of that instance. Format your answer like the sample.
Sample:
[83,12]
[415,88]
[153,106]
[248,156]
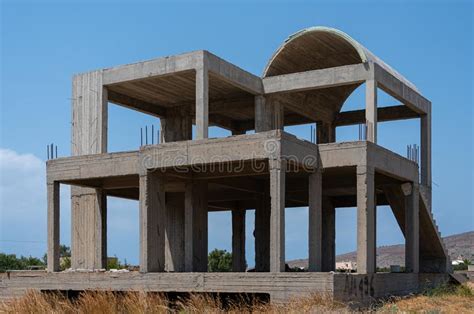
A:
[195,226]
[412,230]
[366,221]
[151,68]
[53,226]
[152,223]
[93,166]
[324,78]
[277,169]
[238,239]
[391,113]
[401,91]
[136,104]
[234,75]
[391,164]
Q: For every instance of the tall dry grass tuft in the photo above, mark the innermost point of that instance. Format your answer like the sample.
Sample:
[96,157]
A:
[37,302]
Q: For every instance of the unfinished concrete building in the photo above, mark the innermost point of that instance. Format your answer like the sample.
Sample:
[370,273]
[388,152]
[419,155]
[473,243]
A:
[187,174]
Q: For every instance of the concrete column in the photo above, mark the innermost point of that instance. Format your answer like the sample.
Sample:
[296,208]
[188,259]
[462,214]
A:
[89,228]
[329,236]
[269,114]
[366,250]
[262,232]
[152,223]
[174,232]
[412,230]
[177,126]
[371,110]
[53,226]
[425,158]
[315,226]
[325,133]
[195,227]
[202,103]
[277,169]
[238,240]
[88,206]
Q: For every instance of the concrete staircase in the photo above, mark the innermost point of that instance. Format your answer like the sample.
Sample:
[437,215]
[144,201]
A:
[434,256]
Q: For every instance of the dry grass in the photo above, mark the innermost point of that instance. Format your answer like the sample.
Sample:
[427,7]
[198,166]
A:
[444,299]
[133,302]
[441,300]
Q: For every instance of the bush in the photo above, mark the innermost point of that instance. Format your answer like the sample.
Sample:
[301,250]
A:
[11,262]
[219,261]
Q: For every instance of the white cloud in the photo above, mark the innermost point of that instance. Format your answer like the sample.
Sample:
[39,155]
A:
[22,203]
[23,211]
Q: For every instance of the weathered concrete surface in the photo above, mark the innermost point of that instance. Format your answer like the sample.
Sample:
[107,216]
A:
[53,226]
[280,286]
[366,220]
[89,136]
[238,239]
[152,223]
[195,227]
[262,232]
[277,214]
[315,222]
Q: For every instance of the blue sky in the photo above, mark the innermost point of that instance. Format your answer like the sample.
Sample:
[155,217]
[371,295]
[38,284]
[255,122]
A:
[44,43]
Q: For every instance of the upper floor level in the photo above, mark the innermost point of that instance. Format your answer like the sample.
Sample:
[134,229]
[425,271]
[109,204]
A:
[307,80]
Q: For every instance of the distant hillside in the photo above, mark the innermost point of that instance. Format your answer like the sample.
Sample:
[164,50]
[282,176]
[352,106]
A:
[458,245]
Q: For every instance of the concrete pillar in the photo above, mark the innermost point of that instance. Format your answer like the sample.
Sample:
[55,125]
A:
[152,223]
[89,228]
[269,114]
[238,240]
[262,232]
[325,133]
[202,103]
[315,226]
[88,206]
[371,110]
[412,230]
[174,232]
[425,158]
[329,236]
[53,226]
[195,227]
[177,126]
[277,169]
[366,250]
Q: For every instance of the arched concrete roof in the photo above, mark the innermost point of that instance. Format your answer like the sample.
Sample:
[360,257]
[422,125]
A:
[321,47]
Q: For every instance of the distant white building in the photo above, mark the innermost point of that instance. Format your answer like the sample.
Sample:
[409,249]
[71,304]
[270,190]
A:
[457,261]
[346,265]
